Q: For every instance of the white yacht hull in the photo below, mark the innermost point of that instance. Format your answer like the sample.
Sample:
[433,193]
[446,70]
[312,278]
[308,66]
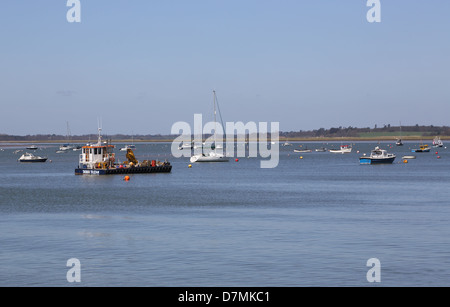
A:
[341,151]
[209,158]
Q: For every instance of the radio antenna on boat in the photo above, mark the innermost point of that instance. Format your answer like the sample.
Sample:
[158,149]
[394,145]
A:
[99,123]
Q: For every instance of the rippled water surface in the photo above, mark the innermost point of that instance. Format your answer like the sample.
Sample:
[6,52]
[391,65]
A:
[311,221]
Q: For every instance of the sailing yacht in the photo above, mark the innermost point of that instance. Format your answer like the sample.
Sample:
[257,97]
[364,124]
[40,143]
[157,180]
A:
[212,156]
[66,147]
[399,141]
[437,142]
[286,143]
[132,146]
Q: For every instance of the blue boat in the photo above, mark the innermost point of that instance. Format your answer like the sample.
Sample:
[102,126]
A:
[422,148]
[378,156]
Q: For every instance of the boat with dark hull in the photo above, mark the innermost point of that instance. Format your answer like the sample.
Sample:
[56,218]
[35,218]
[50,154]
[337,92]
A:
[30,158]
[422,148]
[99,159]
[378,156]
[165,168]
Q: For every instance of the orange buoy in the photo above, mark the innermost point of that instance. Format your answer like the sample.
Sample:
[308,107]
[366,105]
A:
[127,178]
[405,161]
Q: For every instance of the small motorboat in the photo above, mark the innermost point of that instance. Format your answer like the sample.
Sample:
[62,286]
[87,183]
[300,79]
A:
[186,146]
[344,149]
[323,149]
[302,150]
[28,157]
[422,148]
[126,147]
[408,157]
[378,156]
[65,147]
[32,147]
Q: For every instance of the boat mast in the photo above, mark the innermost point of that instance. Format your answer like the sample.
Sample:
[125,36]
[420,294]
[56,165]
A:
[215,121]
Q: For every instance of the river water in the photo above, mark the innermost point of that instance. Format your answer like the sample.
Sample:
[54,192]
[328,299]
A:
[314,221]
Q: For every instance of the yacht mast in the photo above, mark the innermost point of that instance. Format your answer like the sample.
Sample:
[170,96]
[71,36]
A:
[215,121]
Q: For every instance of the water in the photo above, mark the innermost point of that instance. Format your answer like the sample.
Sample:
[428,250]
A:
[309,222]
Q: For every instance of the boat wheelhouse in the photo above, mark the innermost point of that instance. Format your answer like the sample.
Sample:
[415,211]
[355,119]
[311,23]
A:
[97,156]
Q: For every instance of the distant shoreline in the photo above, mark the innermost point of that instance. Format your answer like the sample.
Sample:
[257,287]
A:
[281,140]
[386,133]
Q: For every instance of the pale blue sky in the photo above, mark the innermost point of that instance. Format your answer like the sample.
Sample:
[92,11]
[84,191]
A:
[142,65]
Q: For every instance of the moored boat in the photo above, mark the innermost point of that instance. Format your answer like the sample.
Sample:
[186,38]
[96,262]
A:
[422,148]
[213,155]
[408,157]
[437,142]
[378,156]
[303,150]
[209,157]
[30,158]
[99,159]
[126,147]
[343,149]
[186,145]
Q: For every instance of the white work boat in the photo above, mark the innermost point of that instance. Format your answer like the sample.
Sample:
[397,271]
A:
[99,159]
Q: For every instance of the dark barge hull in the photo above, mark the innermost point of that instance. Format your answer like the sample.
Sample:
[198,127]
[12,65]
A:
[120,171]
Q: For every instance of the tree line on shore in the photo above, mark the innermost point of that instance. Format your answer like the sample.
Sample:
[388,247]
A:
[386,130]
[337,132]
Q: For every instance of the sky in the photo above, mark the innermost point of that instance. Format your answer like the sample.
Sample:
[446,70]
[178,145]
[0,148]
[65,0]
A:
[143,65]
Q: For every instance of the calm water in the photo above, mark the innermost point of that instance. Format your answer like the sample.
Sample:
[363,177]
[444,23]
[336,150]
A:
[309,222]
